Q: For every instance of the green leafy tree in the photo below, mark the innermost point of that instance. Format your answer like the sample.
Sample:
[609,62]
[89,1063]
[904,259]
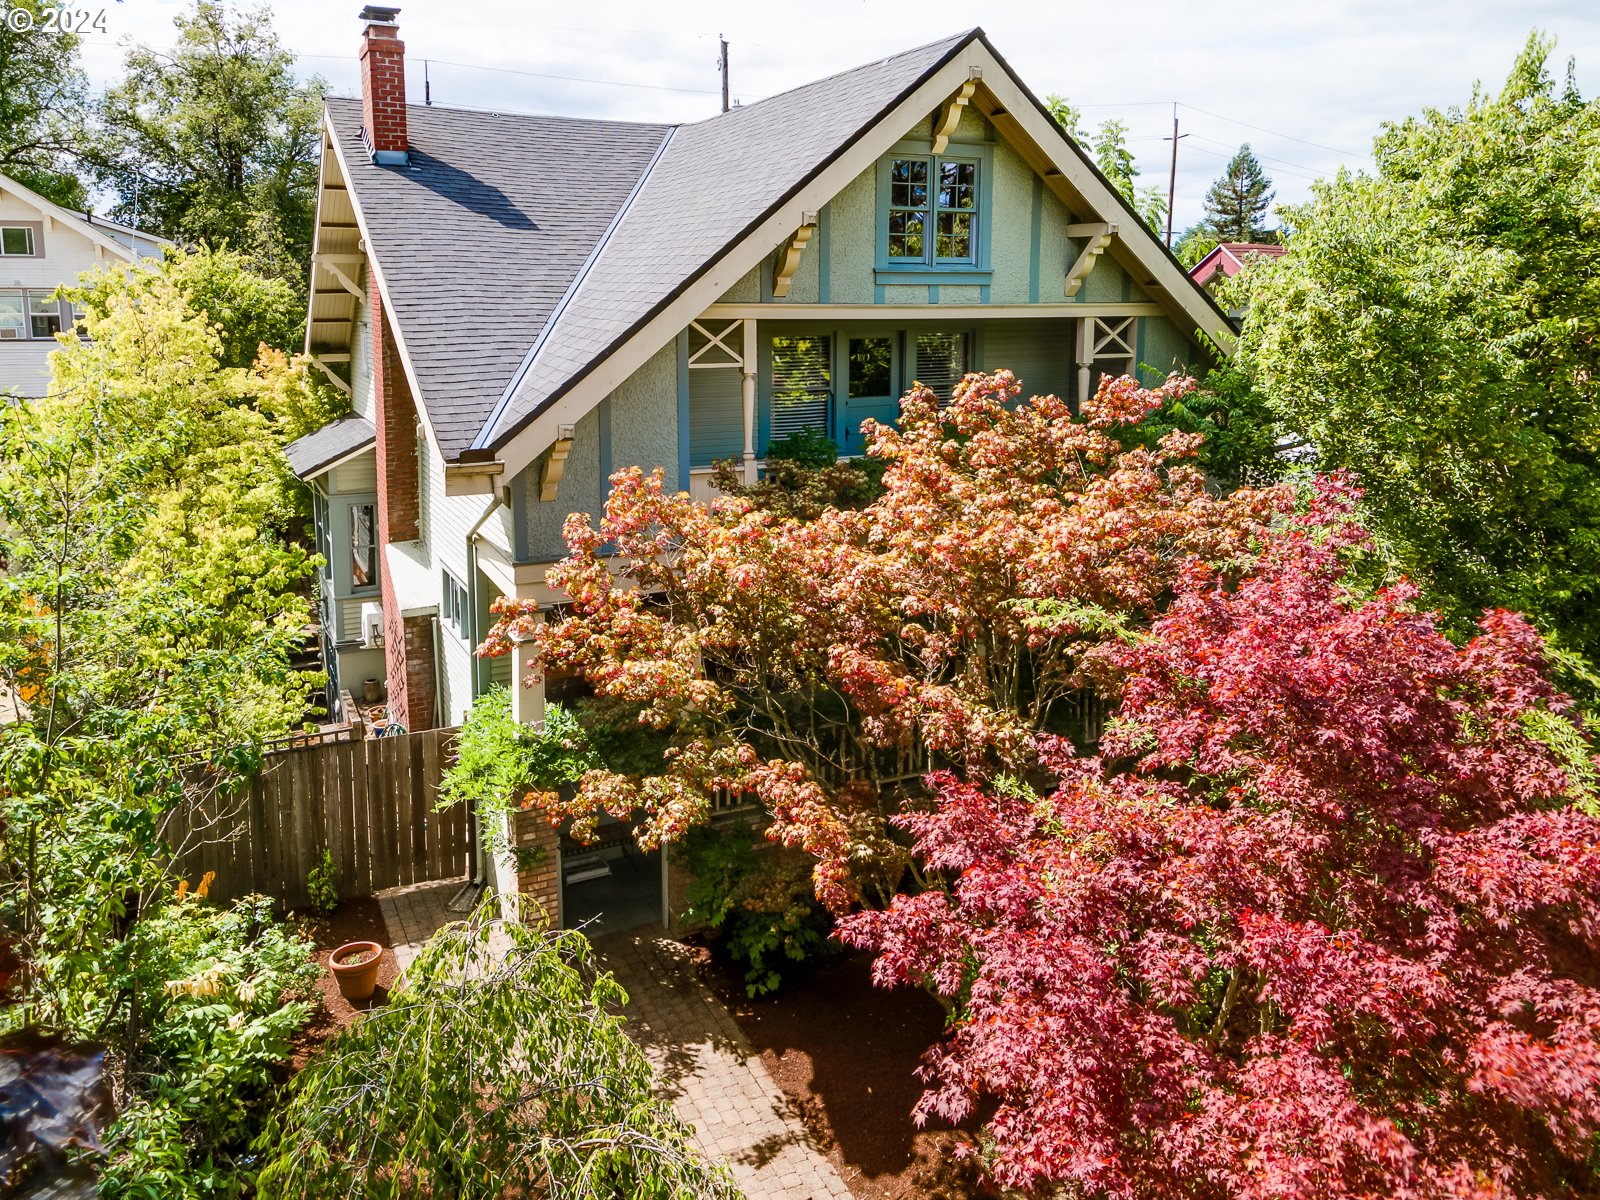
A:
[1066,115]
[1238,200]
[149,609]
[215,141]
[1115,160]
[498,1069]
[1435,326]
[1193,244]
[43,106]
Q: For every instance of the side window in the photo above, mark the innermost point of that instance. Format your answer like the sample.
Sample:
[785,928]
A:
[13,327]
[44,314]
[363,545]
[802,384]
[453,605]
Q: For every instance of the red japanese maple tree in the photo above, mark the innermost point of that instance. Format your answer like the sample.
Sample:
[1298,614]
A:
[1322,922]
[817,664]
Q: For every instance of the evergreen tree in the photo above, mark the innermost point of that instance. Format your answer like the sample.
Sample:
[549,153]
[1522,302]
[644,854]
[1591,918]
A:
[1239,199]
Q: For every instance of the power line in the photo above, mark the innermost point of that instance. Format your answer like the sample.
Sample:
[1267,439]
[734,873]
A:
[444,62]
[1275,133]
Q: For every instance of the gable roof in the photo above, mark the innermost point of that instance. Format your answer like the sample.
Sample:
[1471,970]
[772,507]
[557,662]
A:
[122,240]
[711,186]
[663,221]
[1228,257]
[478,238]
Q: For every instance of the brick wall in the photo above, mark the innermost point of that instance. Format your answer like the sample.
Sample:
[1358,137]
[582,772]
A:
[383,88]
[407,641]
[528,876]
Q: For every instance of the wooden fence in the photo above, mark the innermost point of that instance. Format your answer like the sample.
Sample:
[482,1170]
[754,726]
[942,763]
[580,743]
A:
[370,802]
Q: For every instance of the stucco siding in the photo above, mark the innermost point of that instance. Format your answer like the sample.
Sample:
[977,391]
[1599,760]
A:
[644,416]
[1011,232]
[1163,349]
[540,521]
[852,240]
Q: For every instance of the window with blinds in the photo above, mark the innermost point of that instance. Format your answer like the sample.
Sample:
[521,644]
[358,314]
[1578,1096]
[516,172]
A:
[941,361]
[802,384]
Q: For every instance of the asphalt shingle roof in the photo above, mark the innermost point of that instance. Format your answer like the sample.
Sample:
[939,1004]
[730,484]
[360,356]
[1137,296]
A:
[323,447]
[715,180]
[479,237]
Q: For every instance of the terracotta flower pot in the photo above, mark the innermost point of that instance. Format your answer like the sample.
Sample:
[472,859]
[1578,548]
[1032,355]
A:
[357,978]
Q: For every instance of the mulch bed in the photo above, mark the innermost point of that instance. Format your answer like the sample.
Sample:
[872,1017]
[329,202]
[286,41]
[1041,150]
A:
[353,921]
[845,1053]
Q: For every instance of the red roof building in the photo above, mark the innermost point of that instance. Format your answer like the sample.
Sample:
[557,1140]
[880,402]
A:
[1228,260]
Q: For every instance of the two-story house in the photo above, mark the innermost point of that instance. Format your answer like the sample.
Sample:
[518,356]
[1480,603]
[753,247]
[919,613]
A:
[518,305]
[42,247]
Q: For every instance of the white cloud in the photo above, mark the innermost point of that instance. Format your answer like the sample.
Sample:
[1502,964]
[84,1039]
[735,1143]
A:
[1326,73]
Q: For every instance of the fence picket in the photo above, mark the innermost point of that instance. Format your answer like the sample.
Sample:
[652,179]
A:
[369,803]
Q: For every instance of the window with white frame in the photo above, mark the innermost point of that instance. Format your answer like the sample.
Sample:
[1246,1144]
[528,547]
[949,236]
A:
[44,314]
[363,546]
[13,317]
[17,241]
[453,605]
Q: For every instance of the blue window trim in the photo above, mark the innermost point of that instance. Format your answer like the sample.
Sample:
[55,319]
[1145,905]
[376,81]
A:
[900,271]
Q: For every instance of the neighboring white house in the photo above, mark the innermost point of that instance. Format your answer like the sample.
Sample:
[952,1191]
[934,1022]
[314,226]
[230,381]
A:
[43,246]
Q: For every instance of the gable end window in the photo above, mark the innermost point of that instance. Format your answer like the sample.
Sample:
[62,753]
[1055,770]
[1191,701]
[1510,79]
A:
[933,210]
[17,241]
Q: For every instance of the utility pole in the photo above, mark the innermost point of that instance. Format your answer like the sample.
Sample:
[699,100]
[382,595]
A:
[1172,177]
[427,85]
[723,63]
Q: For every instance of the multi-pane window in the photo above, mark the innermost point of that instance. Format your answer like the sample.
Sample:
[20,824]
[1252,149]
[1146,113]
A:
[933,210]
[363,545]
[16,240]
[44,314]
[802,384]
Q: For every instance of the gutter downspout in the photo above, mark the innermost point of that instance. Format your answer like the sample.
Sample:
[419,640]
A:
[479,867]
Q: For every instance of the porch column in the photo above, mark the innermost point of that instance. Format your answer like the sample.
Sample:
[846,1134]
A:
[527,700]
[748,368]
[1085,358]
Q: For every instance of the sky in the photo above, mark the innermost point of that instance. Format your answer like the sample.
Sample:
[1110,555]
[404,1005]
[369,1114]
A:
[1306,84]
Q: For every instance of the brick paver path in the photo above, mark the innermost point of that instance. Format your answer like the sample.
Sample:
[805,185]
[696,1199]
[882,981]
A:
[414,914]
[711,1076]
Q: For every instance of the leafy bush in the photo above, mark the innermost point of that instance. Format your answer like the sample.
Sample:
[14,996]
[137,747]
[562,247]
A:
[805,447]
[499,759]
[496,1070]
[759,896]
[322,885]
[223,991]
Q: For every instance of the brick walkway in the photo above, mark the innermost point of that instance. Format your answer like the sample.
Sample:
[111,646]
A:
[414,914]
[708,1072]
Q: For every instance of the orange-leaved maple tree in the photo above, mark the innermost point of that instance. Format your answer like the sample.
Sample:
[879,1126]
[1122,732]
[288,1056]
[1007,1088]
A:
[823,666]
[1323,920]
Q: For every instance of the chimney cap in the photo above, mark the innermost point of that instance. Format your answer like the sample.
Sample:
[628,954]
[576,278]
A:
[376,14]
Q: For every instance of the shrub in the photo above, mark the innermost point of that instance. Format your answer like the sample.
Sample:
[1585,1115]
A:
[225,990]
[759,897]
[322,885]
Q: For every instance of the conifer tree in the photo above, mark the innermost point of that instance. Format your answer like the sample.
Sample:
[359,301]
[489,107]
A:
[1238,200]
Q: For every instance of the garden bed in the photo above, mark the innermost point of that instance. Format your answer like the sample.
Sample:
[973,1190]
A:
[845,1053]
[353,921]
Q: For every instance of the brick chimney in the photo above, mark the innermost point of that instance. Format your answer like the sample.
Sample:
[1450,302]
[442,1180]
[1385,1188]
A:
[383,86]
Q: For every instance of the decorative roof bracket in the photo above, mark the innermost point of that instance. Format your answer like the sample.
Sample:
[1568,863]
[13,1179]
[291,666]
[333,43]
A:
[789,260]
[331,263]
[1099,235]
[555,463]
[321,364]
[952,114]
